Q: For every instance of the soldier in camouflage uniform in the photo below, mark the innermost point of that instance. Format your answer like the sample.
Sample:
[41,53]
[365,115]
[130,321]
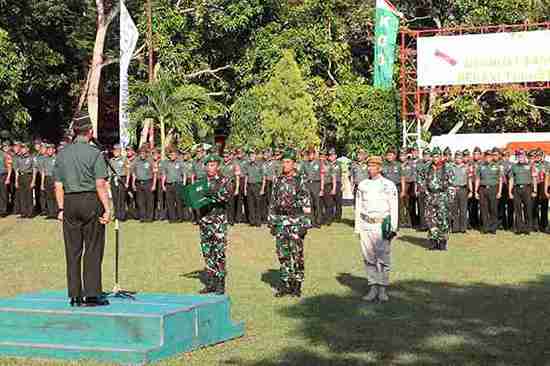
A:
[438,178]
[213,226]
[288,220]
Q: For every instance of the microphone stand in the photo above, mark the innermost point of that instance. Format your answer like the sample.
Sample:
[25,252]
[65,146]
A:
[117,291]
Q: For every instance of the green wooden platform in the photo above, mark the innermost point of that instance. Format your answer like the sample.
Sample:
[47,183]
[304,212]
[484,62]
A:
[153,327]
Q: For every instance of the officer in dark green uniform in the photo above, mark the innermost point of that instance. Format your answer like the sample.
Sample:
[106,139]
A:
[522,189]
[406,202]
[315,183]
[5,180]
[120,166]
[462,186]
[359,170]
[47,185]
[81,191]
[488,190]
[144,178]
[335,178]
[172,174]
[268,170]
[253,176]
[39,194]
[327,200]
[24,182]
[188,174]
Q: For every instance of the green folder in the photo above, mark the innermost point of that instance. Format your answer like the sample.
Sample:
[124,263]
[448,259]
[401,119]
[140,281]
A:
[194,195]
[386,227]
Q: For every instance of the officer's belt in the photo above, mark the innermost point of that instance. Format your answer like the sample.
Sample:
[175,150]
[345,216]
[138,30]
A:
[372,220]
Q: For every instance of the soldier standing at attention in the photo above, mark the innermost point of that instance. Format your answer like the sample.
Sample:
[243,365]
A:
[213,226]
[438,179]
[5,180]
[228,170]
[522,189]
[406,203]
[187,164]
[118,182]
[172,175]
[15,190]
[506,205]
[144,178]
[131,203]
[462,186]
[240,202]
[327,200]
[335,175]
[24,181]
[391,170]
[47,185]
[420,188]
[359,170]
[39,194]
[316,182]
[473,204]
[267,180]
[252,186]
[290,202]
[540,203]
[376,200]
[82,197]
[488,190]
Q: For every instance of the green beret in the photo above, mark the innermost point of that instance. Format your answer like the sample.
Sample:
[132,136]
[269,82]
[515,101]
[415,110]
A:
[213,157]
[466,152]
[289,154]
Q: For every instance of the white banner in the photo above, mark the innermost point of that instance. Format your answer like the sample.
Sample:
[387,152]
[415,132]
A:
[128,39]
[494,58]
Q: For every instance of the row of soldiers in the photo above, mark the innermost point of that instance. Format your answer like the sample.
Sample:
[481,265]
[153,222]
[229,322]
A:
[488,190]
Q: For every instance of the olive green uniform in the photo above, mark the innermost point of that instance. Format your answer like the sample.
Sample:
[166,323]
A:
[173,173]
[459,204]
[77,167]
[142,169]
[120,166]
[3,187]
[254,176]
[24,169]
[47,166]
[523,203]
[312,174]
[489,179]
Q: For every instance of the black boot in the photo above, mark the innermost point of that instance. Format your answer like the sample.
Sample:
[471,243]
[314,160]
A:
[76,301]
[92,301]
[443,245]
[283,290]
[434,245]
[297,289]
[220,286]
[208,286]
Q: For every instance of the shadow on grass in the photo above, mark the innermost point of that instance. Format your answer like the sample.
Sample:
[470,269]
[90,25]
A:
[271,277]
[198,274]
[425,323]
[348,222]
[414,240]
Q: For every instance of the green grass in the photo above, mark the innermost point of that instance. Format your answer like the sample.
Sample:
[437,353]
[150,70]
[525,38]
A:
[485,302]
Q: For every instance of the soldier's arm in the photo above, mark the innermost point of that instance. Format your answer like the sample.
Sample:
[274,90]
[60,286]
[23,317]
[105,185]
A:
[394,208]
[358,200]
[155,176]
[511,186]
[245,182]
[9,167]
[322,174]
[547,183]
[262,191]
[402,181]
[534,179]
[499,184]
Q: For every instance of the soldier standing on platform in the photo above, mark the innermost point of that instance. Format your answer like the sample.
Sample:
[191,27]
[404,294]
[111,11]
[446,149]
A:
[406,202]
[462,186]
[522,189]
[540,203]
[82,197]
[5,180]
[290,202]
[144,179]
[47,180]
[172,174]
[376,200]
[118,183]
[335,170]
[213,226]
[438,179]
[488,190]
[253,177]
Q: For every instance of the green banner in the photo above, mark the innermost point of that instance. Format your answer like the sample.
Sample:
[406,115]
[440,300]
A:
[387,26]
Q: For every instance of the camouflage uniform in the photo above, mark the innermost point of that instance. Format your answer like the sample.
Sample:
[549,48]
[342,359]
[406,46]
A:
[213,231]
[289,226]
[437,182]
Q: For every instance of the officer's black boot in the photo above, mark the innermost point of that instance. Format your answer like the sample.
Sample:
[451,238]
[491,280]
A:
[443,245]
[208,286]
[297,289]
[220,286]
[434,245]
[283,290]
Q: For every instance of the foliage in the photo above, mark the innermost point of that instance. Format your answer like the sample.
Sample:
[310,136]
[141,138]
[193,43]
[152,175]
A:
[278,112]
[185,109]
[365,117]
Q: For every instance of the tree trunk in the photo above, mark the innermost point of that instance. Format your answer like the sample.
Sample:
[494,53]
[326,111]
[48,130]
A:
[162,138]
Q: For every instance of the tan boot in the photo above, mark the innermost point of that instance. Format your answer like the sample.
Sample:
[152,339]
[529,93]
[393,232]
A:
[371,296]
[382,295]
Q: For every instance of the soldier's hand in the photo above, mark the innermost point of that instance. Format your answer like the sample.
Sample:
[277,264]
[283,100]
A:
[7,182]
[106,218]
[153,188]
[511,196]
[470,195]
[499,196]
[534,194]
[321,194]
[547,196]
[244,192]
[164,188]
[307,210]
[16,185]
[477,196]
[42,188]
[60,216]
[333,193]
[32,185]
[402,195]
[262,193]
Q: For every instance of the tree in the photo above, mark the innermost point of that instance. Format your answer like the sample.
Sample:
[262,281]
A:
[186,109]
[279,112]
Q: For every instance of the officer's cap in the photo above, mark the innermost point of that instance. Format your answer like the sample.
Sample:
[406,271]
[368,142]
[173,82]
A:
[82,122]
[212,157]
[496,150]
[374,160]
[466,152]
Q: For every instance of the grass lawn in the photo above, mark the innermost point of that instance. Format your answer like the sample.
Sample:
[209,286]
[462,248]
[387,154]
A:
[485,302]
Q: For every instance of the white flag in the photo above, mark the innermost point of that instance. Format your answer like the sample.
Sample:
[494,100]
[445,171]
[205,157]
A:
[128,40]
